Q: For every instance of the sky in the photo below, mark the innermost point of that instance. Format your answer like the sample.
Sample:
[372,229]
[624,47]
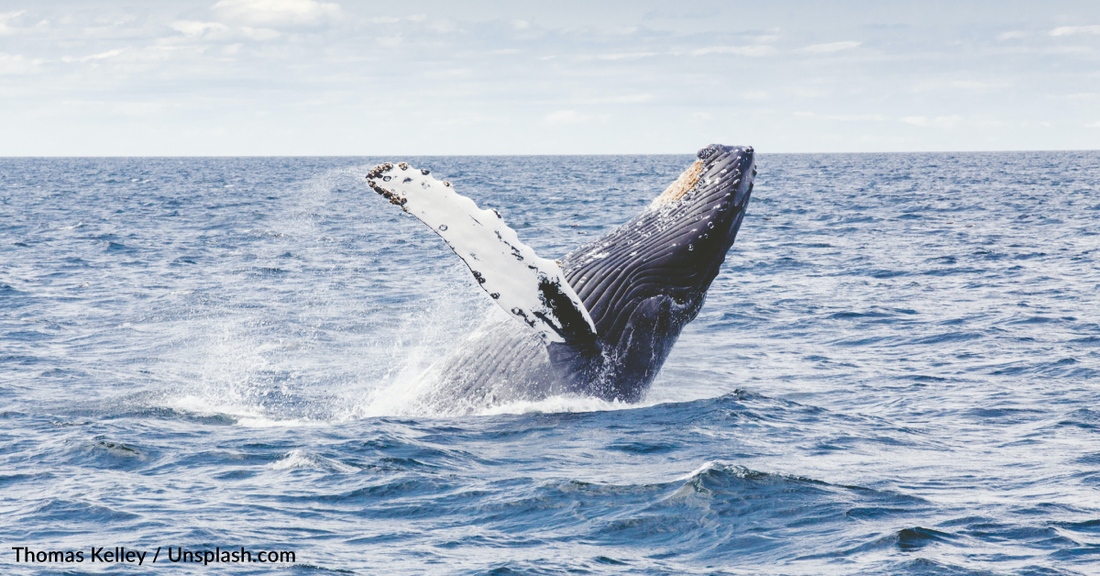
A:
[315,77]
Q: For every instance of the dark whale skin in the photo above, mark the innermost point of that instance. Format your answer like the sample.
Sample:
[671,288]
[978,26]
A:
[641,283]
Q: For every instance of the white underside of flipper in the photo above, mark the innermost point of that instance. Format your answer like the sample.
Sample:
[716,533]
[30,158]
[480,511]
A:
[532,289]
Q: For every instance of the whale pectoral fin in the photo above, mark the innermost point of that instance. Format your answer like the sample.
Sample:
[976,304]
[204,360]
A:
[532,289]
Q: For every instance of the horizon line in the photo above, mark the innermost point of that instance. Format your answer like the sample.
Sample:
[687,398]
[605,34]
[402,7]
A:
[757,150]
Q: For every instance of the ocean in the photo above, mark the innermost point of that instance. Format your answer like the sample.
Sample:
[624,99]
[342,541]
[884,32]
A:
[211,365]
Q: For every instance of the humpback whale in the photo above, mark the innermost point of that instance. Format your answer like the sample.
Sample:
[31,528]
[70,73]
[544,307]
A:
[602,320]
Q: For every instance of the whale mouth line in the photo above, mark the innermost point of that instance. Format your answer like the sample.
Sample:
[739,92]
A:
[684,184]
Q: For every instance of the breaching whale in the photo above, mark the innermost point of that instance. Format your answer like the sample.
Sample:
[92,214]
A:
[602,320]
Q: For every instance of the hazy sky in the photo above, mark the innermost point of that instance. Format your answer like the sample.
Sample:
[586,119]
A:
[312,77]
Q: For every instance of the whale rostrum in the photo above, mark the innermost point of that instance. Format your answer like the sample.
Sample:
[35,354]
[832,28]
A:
[602,320]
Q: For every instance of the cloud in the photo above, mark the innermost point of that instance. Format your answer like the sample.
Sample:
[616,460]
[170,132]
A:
[831,47]
[1093,125]
[755,50]
[395,19]
[16,64]
[520,24]
[100,56]
[914,120]
[260,34]
[1071,30]
[1011,35]
[193,28]
[4,17]
[276,13]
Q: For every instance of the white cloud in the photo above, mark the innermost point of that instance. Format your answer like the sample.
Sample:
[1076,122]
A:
[276,13]
[4,17]
[16,64]
[1071,30]
[831,47]
[1093,125]
[260,34]
[520,24]
[193,28]
[395,19]
[100,56]
[755,50]
[914,120]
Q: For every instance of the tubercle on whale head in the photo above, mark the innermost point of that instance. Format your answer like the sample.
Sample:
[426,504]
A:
[714,166]
[681,186]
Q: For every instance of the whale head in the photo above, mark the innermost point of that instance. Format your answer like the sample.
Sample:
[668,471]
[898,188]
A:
[648,278]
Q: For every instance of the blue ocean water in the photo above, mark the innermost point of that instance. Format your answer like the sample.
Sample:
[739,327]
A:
[896,372]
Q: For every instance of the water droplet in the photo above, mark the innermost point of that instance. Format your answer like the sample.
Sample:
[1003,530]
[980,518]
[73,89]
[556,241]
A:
[443,227]
[710,225]
[387,178]
[691,247]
